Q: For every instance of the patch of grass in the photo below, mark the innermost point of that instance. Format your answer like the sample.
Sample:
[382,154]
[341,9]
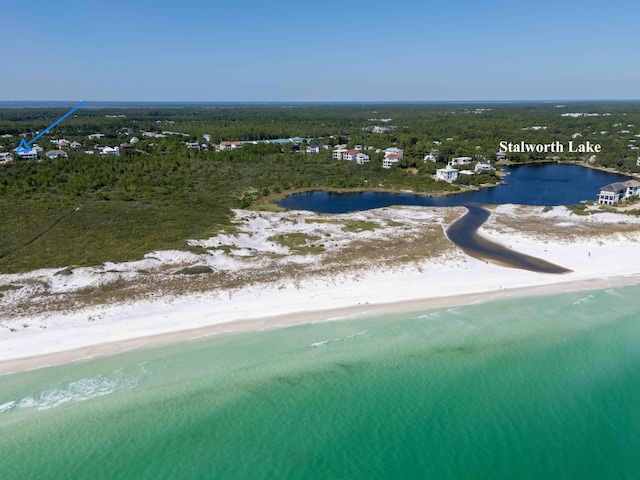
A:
[7,288]
[267,207]
[318,220]
[358,226]
[195,270]
[393,223]
[578,209]
[298,242]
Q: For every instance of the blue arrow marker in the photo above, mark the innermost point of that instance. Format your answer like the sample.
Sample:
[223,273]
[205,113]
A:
[26,146]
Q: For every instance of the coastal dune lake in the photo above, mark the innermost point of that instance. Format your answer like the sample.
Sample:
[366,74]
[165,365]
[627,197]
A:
[533,184]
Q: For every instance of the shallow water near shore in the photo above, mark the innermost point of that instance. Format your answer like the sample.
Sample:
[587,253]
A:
[544,387]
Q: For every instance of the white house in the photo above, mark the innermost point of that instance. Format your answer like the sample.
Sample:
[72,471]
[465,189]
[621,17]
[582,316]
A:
[390,159]
[362,158]
[483,167]
[448,173]
[230,145]
[313,148]
[28,154]
[501,156]
[110,151]
[51,154]
[614,192]
[350,155]
[207,138]
[6,157]
[338,153]
[195,145]
[393,151]
[430,158]
[461,161]
[95,136]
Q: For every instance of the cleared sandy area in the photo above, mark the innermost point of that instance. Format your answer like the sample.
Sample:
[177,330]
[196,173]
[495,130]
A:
[282,269]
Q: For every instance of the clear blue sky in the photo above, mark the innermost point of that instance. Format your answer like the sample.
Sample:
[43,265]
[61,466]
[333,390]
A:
[282,50]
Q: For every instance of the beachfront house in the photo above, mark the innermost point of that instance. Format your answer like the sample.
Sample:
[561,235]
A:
[448,173]
[501,156]
[615,192]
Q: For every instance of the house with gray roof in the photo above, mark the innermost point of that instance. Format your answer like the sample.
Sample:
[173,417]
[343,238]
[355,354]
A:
[615,192]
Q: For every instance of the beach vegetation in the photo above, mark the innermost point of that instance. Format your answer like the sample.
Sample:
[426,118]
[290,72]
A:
[298,242]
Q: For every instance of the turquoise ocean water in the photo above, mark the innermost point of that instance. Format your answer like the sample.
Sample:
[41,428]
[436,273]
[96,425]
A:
[538,388]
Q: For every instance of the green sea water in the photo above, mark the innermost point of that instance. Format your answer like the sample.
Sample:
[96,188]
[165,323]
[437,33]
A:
[537,388]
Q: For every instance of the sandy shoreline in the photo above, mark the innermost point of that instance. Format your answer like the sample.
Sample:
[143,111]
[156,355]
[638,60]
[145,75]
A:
[298,318]
[606,259]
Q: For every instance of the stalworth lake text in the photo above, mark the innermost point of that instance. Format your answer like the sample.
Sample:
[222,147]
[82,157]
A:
[554,147]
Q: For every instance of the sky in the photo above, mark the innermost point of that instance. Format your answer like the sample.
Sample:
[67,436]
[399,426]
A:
[282,50]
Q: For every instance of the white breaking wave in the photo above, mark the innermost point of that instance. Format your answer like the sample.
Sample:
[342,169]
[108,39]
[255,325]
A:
[78,391]
[582,300]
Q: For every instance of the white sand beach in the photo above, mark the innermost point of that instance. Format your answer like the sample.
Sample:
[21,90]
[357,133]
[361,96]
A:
[601,250]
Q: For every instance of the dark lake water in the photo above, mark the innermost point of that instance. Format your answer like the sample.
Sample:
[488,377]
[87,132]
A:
[535,184]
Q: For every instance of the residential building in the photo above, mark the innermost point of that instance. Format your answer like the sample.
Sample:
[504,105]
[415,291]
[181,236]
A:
[96,136]
[195,145]
[448,173]
[350,155]
[207,138]
[393,150]
[362,158]
[501,156]
[461,161]
[28,154]
[430,158]
[110,151]
[338,153]
[483,167]
[615,192]
[75,144]
[390,159]
[51,154]
[230,145]
[6,157]
[313,148]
